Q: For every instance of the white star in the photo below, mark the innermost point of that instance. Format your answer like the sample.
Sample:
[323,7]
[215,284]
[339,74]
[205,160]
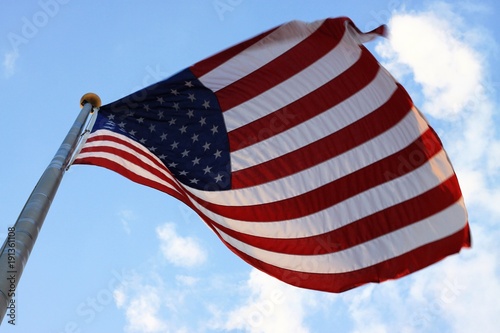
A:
[143,141]
[162,156]
[188,84]
[122,124]
[191,97]
[183,173]
[195,137]
[140,120]
[203,121]
[160,100]
[132,132]
[196,161]
[176,106]
[153,149]
[194,181]
[152,128]
[185,153]
[172,165]
[172,121]
[218,178]
[206,104]
[163,136]
[174,92]
[111,117]
[183,129]
[206,146]
[207,169]
[190,113]
[217,154]
[174,145]
[214,129]
[160,114]
[146,107]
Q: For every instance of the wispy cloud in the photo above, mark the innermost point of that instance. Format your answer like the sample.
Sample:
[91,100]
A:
[179,250]
[126,216]
[272,306]
[9,62]
[141,302]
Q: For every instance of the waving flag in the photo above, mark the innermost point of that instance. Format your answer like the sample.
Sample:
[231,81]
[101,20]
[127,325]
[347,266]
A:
[303,155]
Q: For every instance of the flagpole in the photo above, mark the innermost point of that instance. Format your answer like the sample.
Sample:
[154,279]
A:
[22,236]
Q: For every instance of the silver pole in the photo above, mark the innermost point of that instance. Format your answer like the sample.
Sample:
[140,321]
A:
[22,236]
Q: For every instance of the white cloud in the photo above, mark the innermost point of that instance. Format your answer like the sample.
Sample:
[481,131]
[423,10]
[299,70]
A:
[120,297]
[142,303]
[272,306]
[186,280]
[470,302]
[142,312]
[178,250]
[448,70]
[9,62]
[366,318]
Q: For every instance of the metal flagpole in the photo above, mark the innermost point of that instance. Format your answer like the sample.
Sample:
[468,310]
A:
[22,236]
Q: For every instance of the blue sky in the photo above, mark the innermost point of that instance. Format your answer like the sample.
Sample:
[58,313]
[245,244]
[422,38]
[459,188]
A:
[111,256]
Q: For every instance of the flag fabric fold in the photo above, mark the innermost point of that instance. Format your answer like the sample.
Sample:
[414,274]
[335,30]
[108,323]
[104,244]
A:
[300,151]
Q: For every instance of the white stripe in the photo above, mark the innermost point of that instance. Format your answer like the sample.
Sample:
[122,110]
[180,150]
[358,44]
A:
[371,97]
[259,54]
[383,145]
[297,86]
[132,167]
[118,136]
[376,199]
[380,249]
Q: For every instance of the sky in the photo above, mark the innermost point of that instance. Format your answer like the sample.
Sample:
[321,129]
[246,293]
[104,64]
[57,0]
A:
[115,256]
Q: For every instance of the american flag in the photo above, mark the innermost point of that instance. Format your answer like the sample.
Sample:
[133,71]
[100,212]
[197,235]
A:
[303,155]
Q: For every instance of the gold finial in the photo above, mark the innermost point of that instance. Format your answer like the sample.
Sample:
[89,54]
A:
[92,99]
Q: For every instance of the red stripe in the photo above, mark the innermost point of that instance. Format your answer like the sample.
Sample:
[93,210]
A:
[341,189]
[114,139]
[101,161]
[203,67]
[362,230]
[328,147]
[390,269]
[280,69]
[318,101]
[120,169]
[134,160]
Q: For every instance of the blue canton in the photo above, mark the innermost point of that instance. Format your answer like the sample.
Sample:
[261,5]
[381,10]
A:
[178,120]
